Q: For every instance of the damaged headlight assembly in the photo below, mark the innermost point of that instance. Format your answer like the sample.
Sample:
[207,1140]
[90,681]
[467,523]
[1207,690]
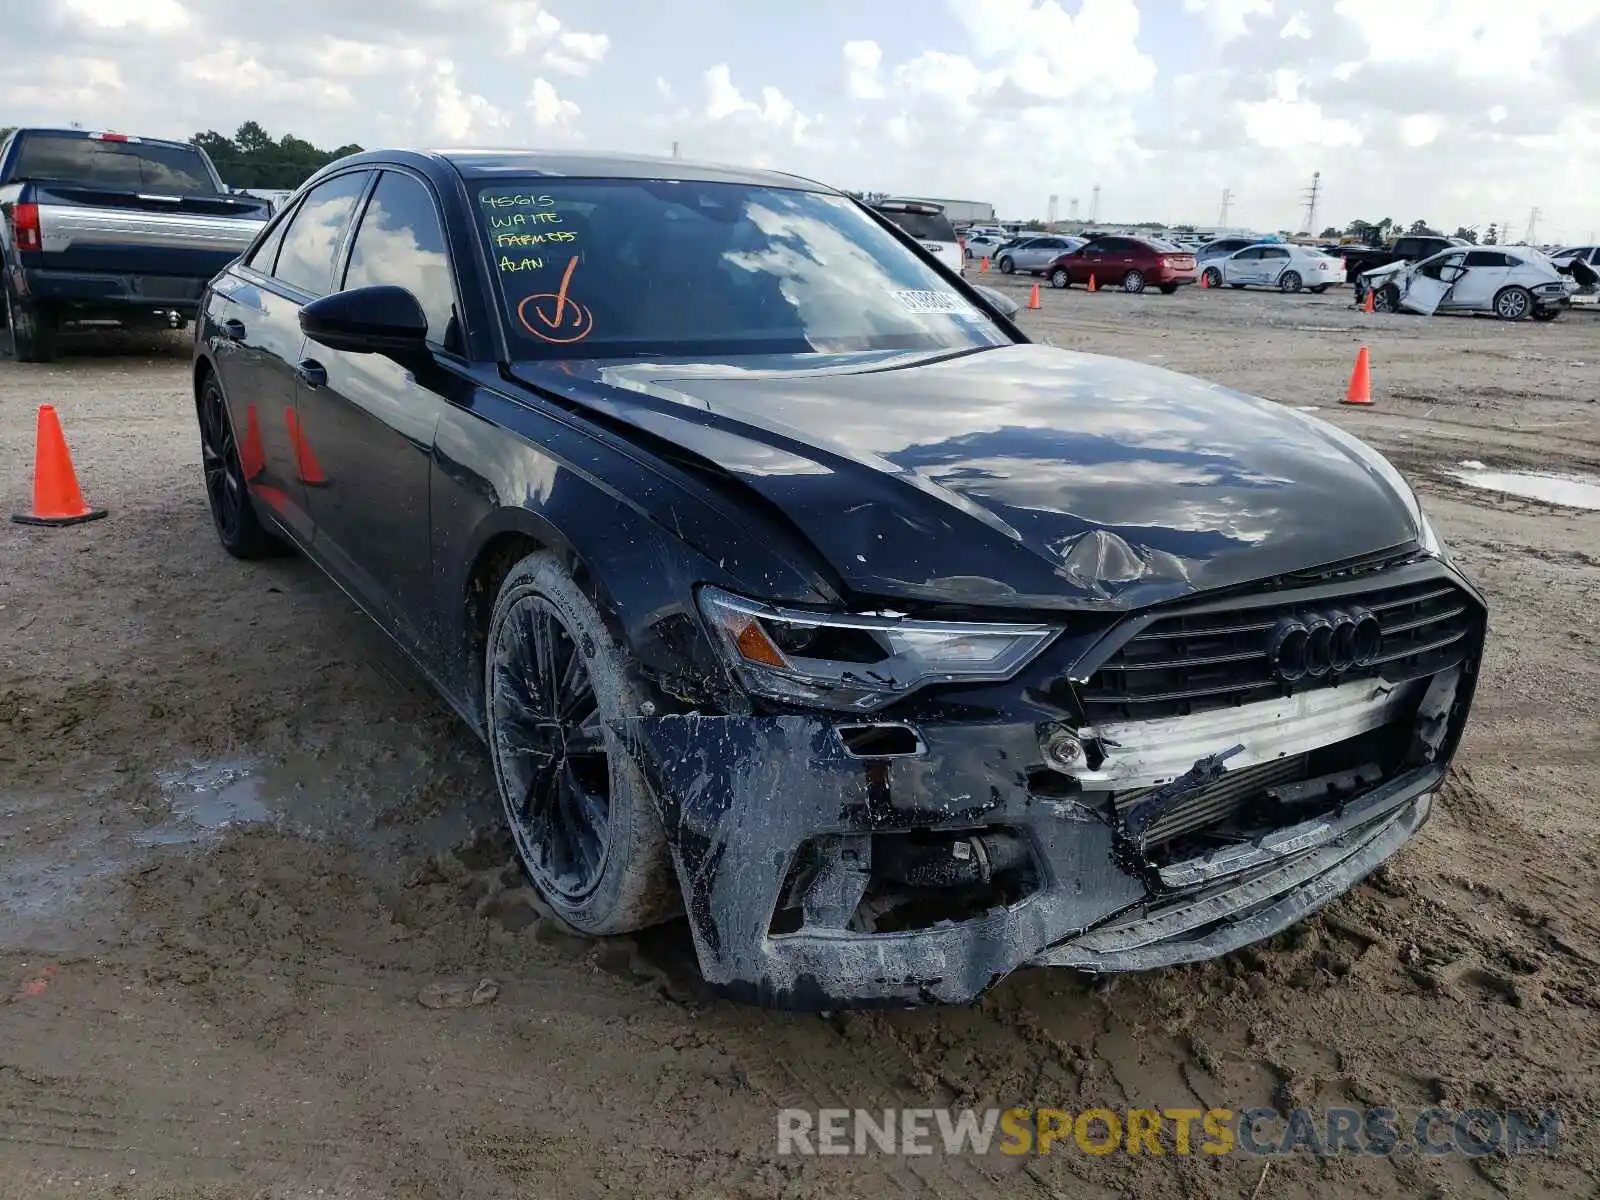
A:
[859,663]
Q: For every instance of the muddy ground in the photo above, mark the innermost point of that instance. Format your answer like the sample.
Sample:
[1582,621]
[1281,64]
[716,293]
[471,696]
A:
[196,1008]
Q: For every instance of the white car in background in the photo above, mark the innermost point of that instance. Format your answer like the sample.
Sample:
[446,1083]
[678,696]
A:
[928,224]
[1280,265]
[1512,282]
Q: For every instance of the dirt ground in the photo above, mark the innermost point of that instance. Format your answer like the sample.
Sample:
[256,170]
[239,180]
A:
[239,838]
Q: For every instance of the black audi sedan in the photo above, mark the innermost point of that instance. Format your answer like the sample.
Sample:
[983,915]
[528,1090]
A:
[792,588]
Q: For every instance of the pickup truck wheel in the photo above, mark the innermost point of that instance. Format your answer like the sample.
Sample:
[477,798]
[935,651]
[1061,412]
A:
[1060,279]
[1289,281]
[1512,303]
[584,822]
[32,329]
[238,528]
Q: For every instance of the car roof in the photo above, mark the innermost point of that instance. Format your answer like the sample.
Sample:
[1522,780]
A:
[485,165]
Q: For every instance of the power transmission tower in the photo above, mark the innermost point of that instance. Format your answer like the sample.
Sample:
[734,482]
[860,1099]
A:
[1055,204]
[1310,195]
[1072,210]
[1533,224]
[1227,199]
[1094,204]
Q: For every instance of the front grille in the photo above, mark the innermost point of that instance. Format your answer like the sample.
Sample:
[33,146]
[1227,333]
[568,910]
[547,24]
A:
[1214,805]
[1192,661]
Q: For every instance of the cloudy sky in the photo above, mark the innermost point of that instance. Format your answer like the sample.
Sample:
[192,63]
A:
[1453,111]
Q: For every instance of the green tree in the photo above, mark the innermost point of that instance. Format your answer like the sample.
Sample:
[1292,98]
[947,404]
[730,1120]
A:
[1330,232]
[252,159]
[1422,227]
[1466,234]
[1491,236]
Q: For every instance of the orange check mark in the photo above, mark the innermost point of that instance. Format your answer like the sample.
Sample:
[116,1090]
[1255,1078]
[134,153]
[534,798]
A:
[561,297]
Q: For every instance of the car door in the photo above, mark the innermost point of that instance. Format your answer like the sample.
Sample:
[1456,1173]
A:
[1242,266]
[1427,288]
[1486,273]
[1042,252]
[1273,262]
[258,319]
[372,420]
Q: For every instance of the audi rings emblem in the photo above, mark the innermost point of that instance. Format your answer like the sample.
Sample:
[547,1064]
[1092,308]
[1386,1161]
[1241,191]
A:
[1311,645]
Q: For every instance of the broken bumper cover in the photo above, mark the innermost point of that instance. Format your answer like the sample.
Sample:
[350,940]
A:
[739,795]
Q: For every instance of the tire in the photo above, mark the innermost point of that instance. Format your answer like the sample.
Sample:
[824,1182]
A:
[233,513]
[1133,282]
[1006,266]
[31,329]
[1290,282]
[584,822]
[1319,288]
[1386,299]
[1213,277]
[1168,289]
[1060,279]
[1513,303]
[1238,287]
[1545,314]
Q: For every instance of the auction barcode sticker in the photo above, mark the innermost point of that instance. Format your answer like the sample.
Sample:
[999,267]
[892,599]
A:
[934,302]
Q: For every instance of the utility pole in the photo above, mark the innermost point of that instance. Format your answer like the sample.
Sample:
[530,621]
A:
[1533,224]
[674,149]
[1072,210]
[1222,215]
[1310,195]
[1094,204]
[1055,203]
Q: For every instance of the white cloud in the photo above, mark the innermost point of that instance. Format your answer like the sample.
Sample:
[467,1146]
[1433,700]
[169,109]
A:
[460,117]
[155,16]
[862,60]
[1284,121]
[532,31]
[549,110]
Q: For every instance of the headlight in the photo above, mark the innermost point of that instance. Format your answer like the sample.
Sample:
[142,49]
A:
[1429,540]
[859,663]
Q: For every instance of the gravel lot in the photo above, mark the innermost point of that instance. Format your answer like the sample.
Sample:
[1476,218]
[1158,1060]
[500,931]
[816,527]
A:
[192,1009]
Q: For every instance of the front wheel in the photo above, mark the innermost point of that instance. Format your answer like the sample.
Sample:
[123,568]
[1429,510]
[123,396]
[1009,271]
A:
[1386,299]
[556,686]
[1133,282]
[31,327]
[1290,282]
[1007,266]
[1060,279]
[1513,303]
[1168,289]
[1213,277]
[238,528]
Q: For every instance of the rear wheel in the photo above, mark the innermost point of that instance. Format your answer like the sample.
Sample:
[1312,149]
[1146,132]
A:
[238,528]
[31,328]
[1213,277]
[584,823]
[1168,289]
[1133,281]
[1059,278]
[1289,281]
[1513,303]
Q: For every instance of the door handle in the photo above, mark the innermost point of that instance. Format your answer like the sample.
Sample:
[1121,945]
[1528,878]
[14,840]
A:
[233,329]
[312,373]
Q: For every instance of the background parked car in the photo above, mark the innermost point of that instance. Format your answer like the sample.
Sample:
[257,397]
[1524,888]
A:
[985,245]
[928,224]
[1512,282]
[1221,248]
[1129,262]
[1035,254]
[1286,267]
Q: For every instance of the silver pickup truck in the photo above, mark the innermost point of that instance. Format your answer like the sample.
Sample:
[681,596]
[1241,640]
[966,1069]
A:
[107,227]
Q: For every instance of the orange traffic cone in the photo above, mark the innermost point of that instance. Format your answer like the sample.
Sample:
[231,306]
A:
[305,461]
[56,498]
[1368,305]
[1360,389]
[1033,297]
[1204,280]
[1093,287]
[983,264]
[251,456]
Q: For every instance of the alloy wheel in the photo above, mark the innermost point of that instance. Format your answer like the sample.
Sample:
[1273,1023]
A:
[1290,282]
[1511,304]
[1133,281]
[219,456]
[549,745]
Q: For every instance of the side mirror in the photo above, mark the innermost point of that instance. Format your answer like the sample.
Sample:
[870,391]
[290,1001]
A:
[1004,303]
[370,320]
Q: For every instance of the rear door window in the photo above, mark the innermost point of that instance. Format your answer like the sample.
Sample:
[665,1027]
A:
[400,241]
[316,233]
[121,166]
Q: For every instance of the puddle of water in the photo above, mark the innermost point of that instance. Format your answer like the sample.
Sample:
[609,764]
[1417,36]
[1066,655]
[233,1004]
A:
[1573,491]
[207,798]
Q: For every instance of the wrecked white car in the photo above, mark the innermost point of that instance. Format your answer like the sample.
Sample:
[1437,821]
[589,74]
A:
[1512,282]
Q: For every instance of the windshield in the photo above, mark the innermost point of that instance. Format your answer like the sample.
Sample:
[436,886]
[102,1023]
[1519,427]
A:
[600,268]
[924,226]
[127,166]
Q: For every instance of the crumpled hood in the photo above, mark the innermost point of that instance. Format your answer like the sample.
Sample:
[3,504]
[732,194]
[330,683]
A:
[1019,476]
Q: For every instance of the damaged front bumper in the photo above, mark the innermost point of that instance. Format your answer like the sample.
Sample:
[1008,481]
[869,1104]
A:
[823,871]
